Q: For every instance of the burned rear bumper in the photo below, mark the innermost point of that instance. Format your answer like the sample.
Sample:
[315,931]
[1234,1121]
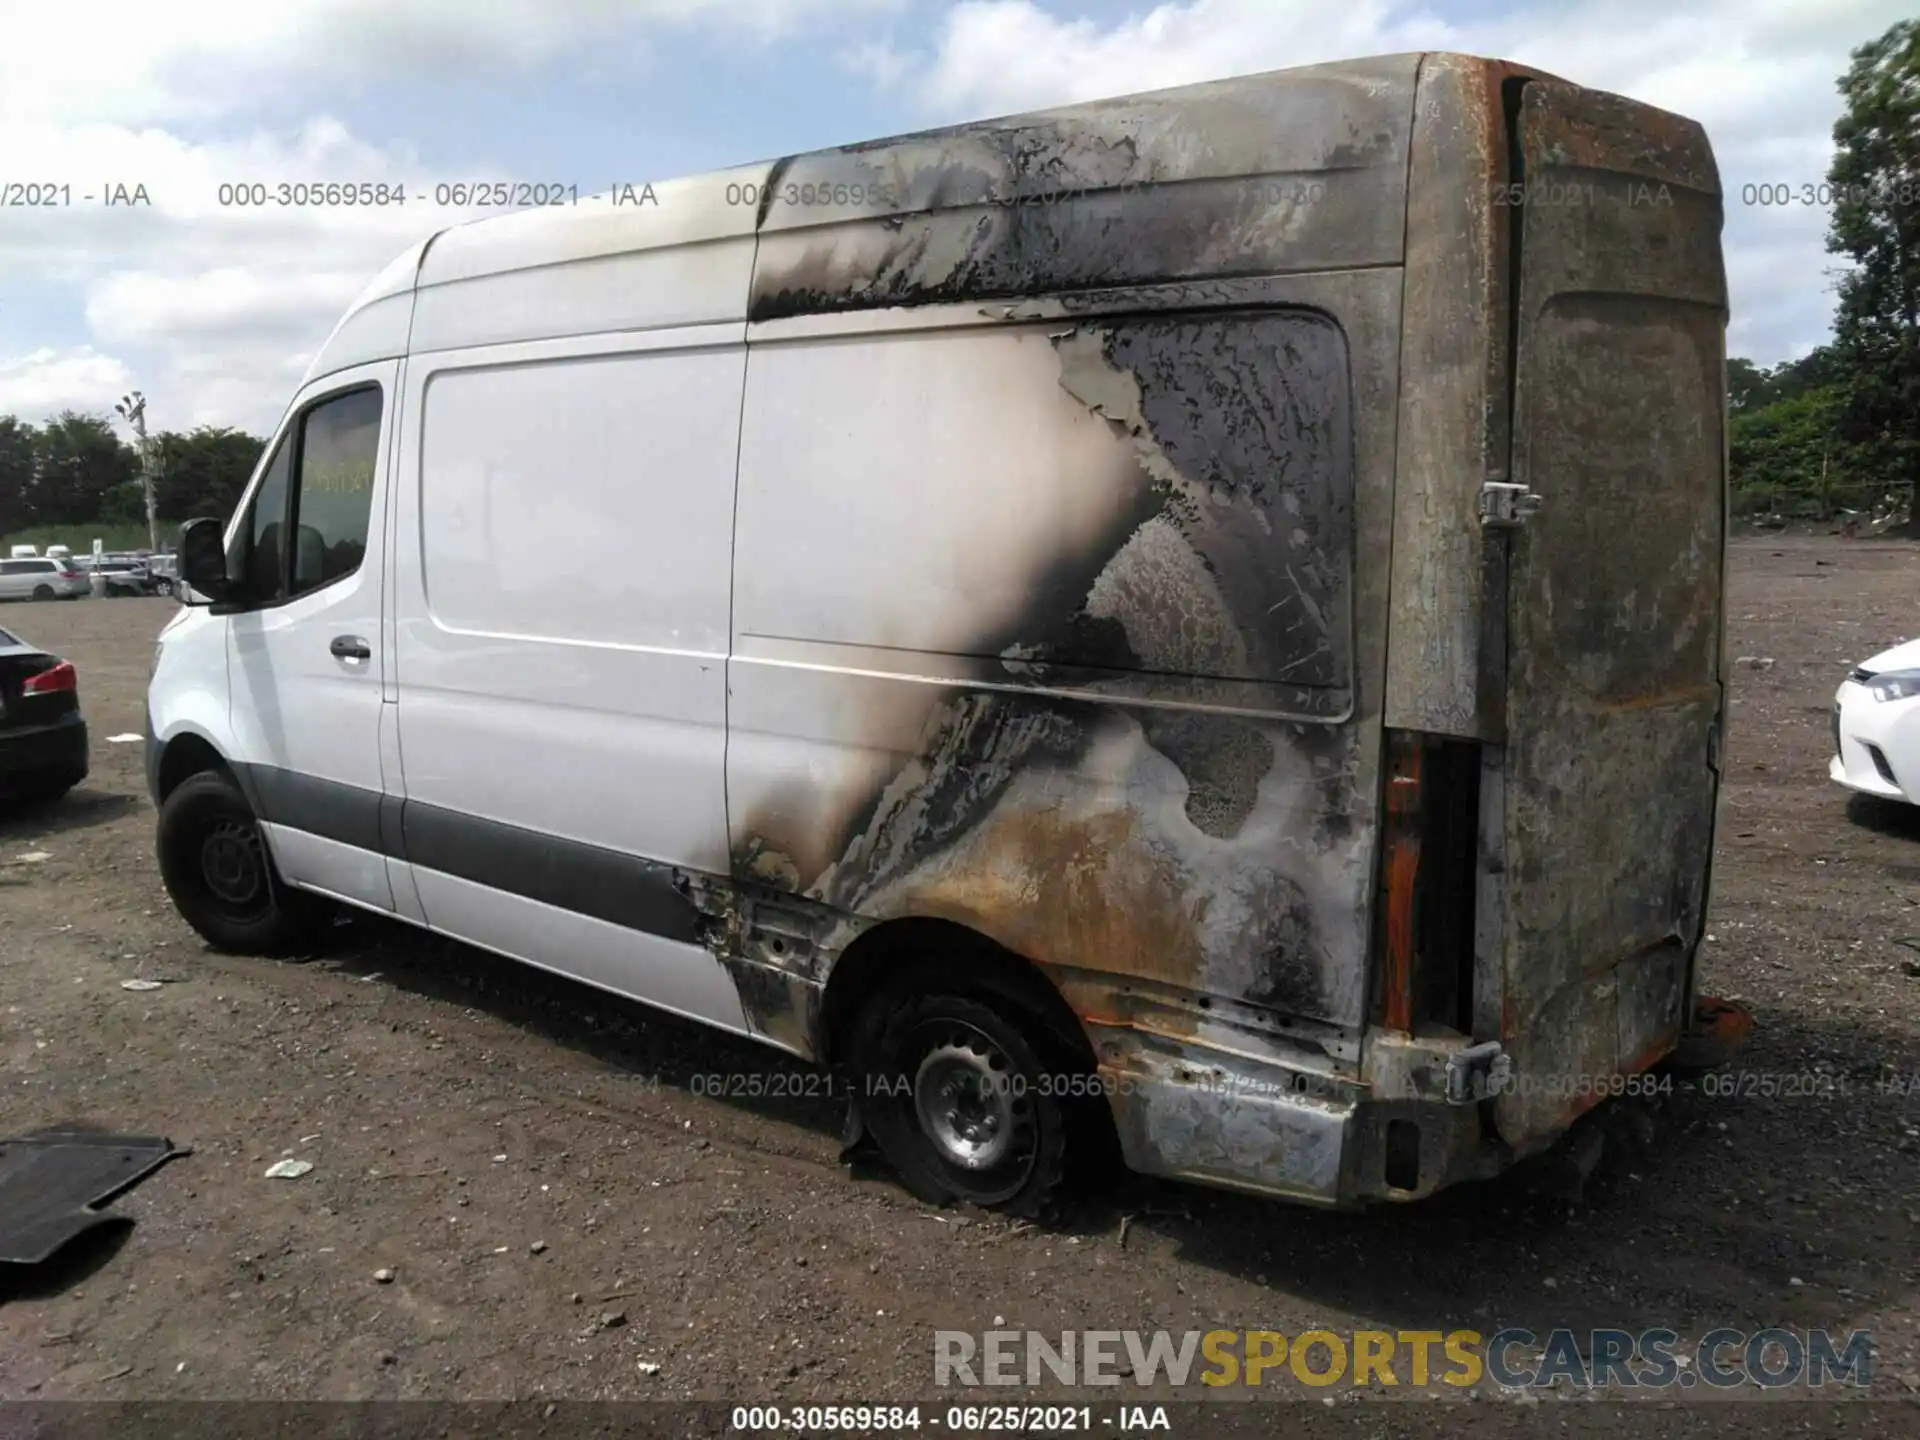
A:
[1388,1132]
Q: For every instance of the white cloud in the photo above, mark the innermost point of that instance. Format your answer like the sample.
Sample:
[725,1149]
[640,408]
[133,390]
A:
[213,309]
[216,306]
[144,308]
[131,63]
[48,381]
[1760,76]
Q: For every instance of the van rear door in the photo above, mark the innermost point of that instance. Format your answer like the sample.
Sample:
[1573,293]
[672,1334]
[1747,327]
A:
[1615,592]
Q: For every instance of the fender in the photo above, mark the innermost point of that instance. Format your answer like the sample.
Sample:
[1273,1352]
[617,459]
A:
[187,697]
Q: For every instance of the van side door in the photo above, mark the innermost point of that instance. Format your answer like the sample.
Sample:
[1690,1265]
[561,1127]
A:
[562,575]
[304,641]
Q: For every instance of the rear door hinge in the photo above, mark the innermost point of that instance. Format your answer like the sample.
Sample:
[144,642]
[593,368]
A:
[1506,506]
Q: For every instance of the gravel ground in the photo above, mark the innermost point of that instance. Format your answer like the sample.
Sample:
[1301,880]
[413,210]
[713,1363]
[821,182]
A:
[517,1192]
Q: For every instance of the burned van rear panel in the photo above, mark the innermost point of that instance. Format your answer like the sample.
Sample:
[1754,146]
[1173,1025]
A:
[1109,720]
[1614,694]
[1089,699]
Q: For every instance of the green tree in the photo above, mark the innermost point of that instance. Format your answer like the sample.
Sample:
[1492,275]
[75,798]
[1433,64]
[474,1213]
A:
[1784,455]
[204,471]
[1746,385]
[19,448]
[80,459]
[124,505]
[1876,224]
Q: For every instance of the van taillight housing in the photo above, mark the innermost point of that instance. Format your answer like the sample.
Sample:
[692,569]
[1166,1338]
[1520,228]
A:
[53,681]
[1428,864]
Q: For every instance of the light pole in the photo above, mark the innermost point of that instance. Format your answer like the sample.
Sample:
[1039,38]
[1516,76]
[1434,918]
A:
[133,409]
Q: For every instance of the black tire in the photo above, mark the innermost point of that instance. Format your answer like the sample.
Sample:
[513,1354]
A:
[943,1067]
[43,592]
[215,865]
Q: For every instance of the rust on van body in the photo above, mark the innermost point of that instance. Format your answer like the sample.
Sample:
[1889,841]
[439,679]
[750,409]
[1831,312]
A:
[1216,846]
[1157,773]
[1149,785]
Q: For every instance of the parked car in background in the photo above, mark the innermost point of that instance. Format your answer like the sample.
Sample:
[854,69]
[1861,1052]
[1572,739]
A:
[43,737]
[125,575]
[1876,726]
[42,578]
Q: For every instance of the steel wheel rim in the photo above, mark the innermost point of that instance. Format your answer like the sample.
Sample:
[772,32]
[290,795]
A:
[233,867]
[972,1108]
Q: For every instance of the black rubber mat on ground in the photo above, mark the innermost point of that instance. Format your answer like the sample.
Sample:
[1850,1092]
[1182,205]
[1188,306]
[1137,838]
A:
[51,1182]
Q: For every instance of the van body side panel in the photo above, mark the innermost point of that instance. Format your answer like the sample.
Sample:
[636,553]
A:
[561,603]
[1083,672]
[1263,175]
[1616,595]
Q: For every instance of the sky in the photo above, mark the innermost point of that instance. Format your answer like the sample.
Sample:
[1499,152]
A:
[213,310]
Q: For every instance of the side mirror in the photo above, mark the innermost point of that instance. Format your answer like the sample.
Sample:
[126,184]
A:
[203,560]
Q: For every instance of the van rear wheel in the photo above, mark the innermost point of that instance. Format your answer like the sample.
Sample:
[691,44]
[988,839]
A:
[215,864]
[964,1091]
[43,592]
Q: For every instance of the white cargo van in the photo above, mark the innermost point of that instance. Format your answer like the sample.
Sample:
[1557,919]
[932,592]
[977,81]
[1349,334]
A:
[1193,620]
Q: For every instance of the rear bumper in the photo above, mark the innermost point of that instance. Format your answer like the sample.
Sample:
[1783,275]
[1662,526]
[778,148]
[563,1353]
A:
[42,755]
[1202,1114]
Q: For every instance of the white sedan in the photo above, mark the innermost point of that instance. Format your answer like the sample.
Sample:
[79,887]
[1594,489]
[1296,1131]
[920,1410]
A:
[1876,726]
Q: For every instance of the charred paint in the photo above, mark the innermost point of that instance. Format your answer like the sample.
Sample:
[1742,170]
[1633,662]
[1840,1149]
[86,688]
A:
[1614,688]
[1253,176]
[1171,843]
[1246,428]
[1152,766]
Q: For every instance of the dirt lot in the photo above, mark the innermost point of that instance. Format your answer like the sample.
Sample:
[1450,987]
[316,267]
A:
[528,1156]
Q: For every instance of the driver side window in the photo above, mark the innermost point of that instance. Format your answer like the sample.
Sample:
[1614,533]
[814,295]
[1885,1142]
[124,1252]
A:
[307,525]
[265,530]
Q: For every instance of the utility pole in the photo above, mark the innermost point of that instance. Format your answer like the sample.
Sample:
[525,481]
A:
[133,409]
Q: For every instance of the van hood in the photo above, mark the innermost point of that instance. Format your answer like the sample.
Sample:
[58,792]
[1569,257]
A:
[1905,656]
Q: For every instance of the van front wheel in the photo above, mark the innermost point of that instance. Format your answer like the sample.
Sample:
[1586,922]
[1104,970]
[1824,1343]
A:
[964,1094]
[214,862]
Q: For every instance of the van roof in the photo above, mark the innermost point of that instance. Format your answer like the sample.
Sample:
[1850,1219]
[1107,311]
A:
[1290,170]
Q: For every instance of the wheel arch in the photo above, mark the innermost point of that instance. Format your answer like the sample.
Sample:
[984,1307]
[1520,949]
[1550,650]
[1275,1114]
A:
[930,949]
[187,753]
